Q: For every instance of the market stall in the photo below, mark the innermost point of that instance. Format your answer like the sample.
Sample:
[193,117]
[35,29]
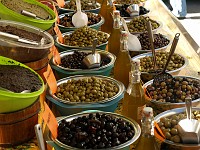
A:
[185,63]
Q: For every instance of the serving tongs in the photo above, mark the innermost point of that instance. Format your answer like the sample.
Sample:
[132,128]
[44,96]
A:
[163,76]
[188,128]
[17,38]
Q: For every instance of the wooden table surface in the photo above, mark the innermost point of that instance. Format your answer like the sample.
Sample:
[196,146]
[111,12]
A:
[171,25]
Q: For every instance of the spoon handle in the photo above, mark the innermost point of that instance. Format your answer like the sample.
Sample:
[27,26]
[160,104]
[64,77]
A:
[78,5]
[39,135]
[124,25]
[94,44]
[172,50]
[188,105]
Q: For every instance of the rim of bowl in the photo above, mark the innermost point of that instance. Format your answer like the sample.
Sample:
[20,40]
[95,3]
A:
[72,10]
[99,23]
[65,53]
[26,27]
[135,125]
[173,112]
[172,71]
[168,103]
[75,47]
[76,77]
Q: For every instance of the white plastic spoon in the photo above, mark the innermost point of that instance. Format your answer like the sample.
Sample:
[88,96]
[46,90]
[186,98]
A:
[133,42]
[79,19]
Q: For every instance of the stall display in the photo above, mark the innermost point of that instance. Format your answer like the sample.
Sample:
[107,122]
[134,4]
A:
[92,103]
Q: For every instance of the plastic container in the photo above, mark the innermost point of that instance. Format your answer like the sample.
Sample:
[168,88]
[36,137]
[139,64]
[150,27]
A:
[62,72]
[124,146]
[8,14]
[67,29]
[10,102]
[68,108]
[25,52]
[63,47]
[64,10]
[146,76]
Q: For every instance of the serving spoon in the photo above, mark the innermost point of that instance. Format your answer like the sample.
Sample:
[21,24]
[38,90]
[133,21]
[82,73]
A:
[79,19]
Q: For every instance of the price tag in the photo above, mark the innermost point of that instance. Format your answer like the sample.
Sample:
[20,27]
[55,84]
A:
[56,55]
[58,33]
[60,3]
[50,120]
[51,80]
[56,12]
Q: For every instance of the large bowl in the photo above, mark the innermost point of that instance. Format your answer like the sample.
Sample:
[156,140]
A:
[25,52]
[135,53]
[169,144]
[163,106]
[67,29]
[8,14]
[65,10]
[10,102]
[146,76]
[125,146]
[68,108]
[62,72]
[63,47]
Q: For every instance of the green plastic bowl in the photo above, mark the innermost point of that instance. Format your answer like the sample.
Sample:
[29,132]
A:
[105,70]
[67,29]
[8,14]
[10,102]
[62,47]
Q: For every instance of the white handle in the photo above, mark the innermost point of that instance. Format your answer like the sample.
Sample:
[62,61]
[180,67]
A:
[39,136]
[8,35]
[124,25]
[188,103]
[78,5]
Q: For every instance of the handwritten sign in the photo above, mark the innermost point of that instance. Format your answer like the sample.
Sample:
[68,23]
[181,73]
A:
[50,120]
[51,80]
[58,33]
[56,55]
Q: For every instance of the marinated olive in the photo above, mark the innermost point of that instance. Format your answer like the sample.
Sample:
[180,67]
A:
[93,131]
[177,93]
[84,36]
[85,90]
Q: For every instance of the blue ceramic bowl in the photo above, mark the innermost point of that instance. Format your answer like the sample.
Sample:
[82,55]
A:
[66,108]
[62,72]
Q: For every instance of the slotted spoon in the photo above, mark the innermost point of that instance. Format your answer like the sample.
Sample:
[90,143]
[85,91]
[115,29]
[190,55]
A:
[163,76]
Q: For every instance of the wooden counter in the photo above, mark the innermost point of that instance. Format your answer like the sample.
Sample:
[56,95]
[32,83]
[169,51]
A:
[171,25]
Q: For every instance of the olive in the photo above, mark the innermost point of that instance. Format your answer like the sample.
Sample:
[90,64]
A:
[85,5]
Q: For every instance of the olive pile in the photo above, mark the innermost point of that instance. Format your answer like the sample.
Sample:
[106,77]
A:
[92,19]
[175,90]
[128,1]
[168,125]
[159,41]
[138,24]
[124,13]
[74,61]
[85,5]
[86,90]
[84,36]
[161,58]
[95,131]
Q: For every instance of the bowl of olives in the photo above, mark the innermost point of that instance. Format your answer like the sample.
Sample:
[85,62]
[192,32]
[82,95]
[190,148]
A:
[137,25]
[82,38]
[85,92]
[177,63]
[171,93]
[71,63]
[66,25]
[94,130]
[167,121]
[86,6]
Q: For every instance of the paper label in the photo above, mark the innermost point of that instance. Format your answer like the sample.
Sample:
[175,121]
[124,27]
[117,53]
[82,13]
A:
[51,80]
[58,33]
[139,112]
[60,3]
[50,120]
[56,55]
